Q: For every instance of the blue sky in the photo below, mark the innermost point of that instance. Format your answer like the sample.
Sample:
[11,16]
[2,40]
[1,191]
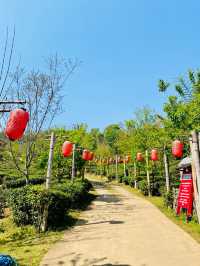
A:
[125,46]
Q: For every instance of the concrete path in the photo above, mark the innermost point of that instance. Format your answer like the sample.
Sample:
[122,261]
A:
[124,230]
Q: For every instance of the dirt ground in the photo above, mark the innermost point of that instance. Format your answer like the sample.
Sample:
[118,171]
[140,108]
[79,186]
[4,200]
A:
[120,229]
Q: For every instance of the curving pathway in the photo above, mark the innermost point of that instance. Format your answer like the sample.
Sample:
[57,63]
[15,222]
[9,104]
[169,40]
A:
[120,229]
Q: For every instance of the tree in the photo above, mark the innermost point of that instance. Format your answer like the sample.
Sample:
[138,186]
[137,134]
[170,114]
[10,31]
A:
[43,92]
[182,108]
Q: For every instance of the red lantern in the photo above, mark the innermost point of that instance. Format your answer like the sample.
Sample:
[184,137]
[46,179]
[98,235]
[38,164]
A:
[127,158]
[67,149]
[90,156]
[139,157]
[177,148]
[16,124]
[154,155]
[85,155]
[110,160]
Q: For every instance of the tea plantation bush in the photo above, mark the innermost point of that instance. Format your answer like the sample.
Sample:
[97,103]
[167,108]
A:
[28,202]
[2,202]
[12,182]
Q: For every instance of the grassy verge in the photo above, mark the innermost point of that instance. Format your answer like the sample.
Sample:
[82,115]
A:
[193,228]
[26,245]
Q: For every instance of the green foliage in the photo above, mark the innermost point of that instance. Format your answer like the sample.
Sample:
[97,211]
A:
[13,182]
[143,187]
[168,199]
[28,203]
[2,201]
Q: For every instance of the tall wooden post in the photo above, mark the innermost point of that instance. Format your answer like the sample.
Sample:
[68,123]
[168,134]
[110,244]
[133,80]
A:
[166,165]
[147,170]
[135,174]
[116,167]
[194,146]
[48,182]
[73,162]
[124,167]
[50,161]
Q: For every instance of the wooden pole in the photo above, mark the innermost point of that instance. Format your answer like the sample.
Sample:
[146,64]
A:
[50,161]
[166,165]
[196,158]
[116,167]
[135,174]
[147,170]
[124,167]
[48,182]
[73,162]
[194,148]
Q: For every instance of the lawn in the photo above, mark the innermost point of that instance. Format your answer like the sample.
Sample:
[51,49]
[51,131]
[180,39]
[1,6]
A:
[25,244]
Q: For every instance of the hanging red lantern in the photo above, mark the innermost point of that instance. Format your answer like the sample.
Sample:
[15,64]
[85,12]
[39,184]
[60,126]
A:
[154,155]
[177,148]
[139,157]
[86,155]
[90,156]
[16,124]
[127,158]
[67,148]
[110,160]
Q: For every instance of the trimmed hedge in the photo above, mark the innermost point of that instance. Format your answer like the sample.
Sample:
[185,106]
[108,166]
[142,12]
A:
[16,183]
[28,202]
[2,202]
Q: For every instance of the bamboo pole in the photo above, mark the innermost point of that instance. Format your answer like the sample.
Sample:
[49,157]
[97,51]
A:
[73,162]
[124,167]
[194,155]
[147,170]
[50,161]
[48,182]
[135,174]
[166,165]
[116,167]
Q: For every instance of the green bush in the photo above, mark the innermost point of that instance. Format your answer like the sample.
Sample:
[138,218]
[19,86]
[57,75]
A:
[28,202]
[2,202]
[125,180]
[168,199]
[143,187]
[12,182]
[77,192]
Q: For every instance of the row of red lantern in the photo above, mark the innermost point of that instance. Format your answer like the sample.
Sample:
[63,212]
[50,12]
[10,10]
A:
[177,151]
[67,150]
[154,156]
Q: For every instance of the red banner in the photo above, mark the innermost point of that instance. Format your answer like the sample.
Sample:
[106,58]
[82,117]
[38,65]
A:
[185,196]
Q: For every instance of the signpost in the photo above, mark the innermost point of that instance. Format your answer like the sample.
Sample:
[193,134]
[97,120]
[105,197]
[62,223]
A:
[185,196]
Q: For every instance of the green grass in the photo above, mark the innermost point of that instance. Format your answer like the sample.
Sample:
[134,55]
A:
[193,228]
[25,244]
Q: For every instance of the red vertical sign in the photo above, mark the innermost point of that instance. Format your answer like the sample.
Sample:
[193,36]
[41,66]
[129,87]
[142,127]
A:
[185,196]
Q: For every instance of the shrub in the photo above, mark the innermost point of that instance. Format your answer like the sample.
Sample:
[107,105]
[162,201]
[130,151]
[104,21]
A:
[168,199]
[28,202]
[155,189]
[2,202]
[77,191]
[125,180]
[143,187]
[11,182]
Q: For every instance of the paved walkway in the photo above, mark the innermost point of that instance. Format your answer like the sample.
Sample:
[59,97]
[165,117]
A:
[120,229]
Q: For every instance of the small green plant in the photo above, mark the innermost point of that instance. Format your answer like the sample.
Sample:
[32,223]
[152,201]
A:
[143,187]
[168,199]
